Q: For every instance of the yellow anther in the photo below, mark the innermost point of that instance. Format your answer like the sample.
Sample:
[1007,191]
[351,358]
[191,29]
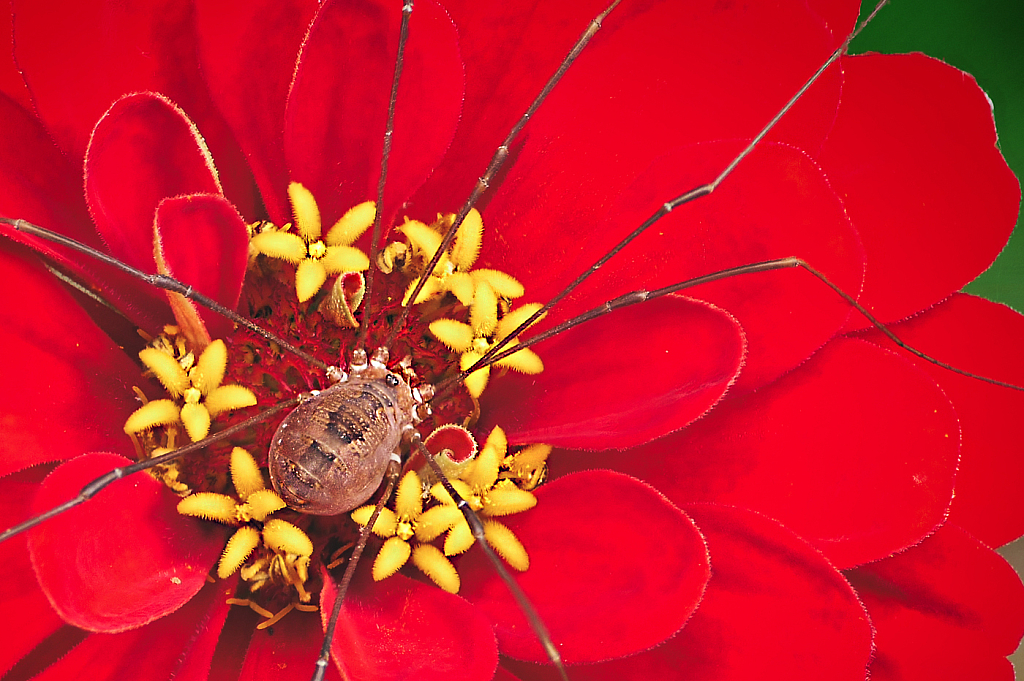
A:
[228,398]
[434,565]
[209,370]
[508,500]
[245,474]
[476,381]
[209,506]
[409,499]
[435,521]
[239,547]
[305,211]
[284,537]
[513,319]
[483,313]
[281,245]
[196,419]
[352,224]
[524,361]
[392,556]
[151,415]
[505,285]
[166,369]
[507,545]
[193,395]
[262,503]
[387,521]
[468,240]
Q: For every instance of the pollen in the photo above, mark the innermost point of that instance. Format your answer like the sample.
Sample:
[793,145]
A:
[406,527]
[315,258]
[287,549]
[490,487]
[194,385]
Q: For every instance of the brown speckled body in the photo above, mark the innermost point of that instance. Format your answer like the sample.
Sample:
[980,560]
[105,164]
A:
[329,455]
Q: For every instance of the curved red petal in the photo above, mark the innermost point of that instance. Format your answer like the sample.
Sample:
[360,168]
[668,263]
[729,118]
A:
[615,568]
[205,244]
[124,558]
[955,203]
[249,80]
[621,380]
[38,184]
[337,108]
[855,451]
[80,58]
[175,647]
[949,608]
[777,204]
[773,602]
[12,85]
[142,151]
[985,338]
[286,651]
[62,365]
[33,619]
[648,75]
[400,628]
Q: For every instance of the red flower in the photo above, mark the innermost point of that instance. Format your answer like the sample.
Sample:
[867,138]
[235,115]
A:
[829,452]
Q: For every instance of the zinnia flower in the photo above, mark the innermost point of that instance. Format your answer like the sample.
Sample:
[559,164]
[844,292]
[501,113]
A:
[748,479]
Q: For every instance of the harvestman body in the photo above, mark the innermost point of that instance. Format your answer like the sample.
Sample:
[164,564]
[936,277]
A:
[331,453]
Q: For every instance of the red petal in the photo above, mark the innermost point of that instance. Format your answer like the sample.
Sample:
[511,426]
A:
[604,577]
[399,629]
[949,608]
[11,83]
[61,366]
[249,80]
[855,451]
[337,108]
[984,338]
[34,620]
[648,82]
[143,150]
[81,57]
[773,603]
[286,651]
[124,558]
[893,159]
[178,646]
[777,204]
[38,184]
[621,380]
[205,244]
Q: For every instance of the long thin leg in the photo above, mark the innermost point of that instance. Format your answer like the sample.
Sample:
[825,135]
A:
[686,197]
[498,160]
[385,157]
[91,489]
[164,282]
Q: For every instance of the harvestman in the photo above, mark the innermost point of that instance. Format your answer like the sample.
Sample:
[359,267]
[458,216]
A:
[371,373]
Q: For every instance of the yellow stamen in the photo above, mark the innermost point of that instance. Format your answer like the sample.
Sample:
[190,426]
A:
[392,556]
[434,565]
[352,224]
[305,210]
[245,474]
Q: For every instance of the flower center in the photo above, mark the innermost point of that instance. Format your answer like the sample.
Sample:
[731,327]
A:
[307,288]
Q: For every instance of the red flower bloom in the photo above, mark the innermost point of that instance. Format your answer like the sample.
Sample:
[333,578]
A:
[820,487]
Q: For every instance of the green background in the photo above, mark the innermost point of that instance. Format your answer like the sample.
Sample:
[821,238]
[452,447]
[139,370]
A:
[986,39]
